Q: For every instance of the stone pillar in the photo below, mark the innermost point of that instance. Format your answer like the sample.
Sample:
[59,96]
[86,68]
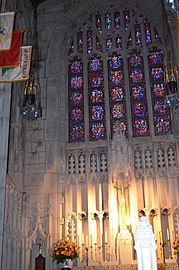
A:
[5,97]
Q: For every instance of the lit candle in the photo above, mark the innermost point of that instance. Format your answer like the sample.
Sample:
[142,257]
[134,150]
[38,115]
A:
[160,237]
[82,238]
[168,238]
[91,240]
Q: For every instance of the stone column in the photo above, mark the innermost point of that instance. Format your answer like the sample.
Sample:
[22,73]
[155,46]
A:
[5,97]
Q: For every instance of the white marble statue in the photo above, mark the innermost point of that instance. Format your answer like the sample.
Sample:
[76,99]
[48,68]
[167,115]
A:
[145,246]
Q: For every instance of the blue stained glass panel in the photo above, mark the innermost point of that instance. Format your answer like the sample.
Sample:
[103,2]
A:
[118,110]
[117,19]
[141,127]
[116,77]
[95,80]
[116,62]
[108,21]
[136,75]
[158,90]
[97,131]
[97,113]
[162,124]
[160,106]
[76,82]
[138,36]
[76,67]
[96,96]
[95,64]
[139,109]
[109,44]
[155,58]
[76,98]
[123,127]
[77,133]
[117,94]
[98,23]
[76,115]
[147,33]
[138,92]
[135,60]
[157,74]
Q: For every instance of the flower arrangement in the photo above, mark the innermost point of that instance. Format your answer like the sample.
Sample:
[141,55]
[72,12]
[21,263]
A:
[176,245]
[64,249]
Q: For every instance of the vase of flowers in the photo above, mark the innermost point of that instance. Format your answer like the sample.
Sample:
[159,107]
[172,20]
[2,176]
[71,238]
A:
[64,250]
[176,249]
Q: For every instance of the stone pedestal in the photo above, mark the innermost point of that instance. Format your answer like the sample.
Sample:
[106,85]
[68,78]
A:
[125,246]
[40,263]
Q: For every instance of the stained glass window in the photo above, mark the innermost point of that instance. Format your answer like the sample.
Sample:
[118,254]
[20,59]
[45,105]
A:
[147,30]
[162,120]
[138,94]
[117,92]
[96,99]
[108,21]
[117,19]
[80,42]
[138,36]
[110,39]
[126,19]
[76,102]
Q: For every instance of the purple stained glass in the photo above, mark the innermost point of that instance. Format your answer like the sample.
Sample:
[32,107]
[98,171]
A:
[158,90]
[118,110]
[157,38]
[95,64]
[136,75]
[147,33]
[135,59]
[109,44]
[160,106]
[139,109]
[138,92]
[76,98]
[98,44]
[157,73]
[108,21]
[77,133]
[76,115]
[76,67]
[115,62]
[89,41]
[98,23]
[97,131]
[141,127]
[138,36]
[117,19]
[129,41]
[119,42]
[123,127]
[126,19]
[96,96]
[71,48]
[162,124]
[97,113]
[155,58]
[95,80]
[117,94]
[80,42]
[116,77]
[76,82]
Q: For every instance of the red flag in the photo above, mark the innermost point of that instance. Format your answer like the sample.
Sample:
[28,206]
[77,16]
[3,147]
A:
[10,58]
